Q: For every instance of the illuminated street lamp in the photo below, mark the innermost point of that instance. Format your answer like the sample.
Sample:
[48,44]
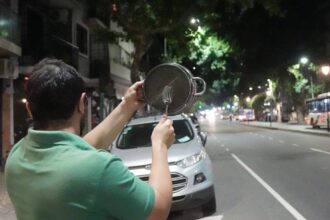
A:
[194,21]
[304,60]
[325,70]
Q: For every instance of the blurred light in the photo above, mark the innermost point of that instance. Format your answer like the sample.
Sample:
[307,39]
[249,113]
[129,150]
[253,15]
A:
[24,100]
[3,22]
[268,93]
[194,21]
[248,99]
[114,8]
[194,68]
[325,70]
[26,78]
[259,87]
[210,116]
[251,88]
[228,106]
[304,60]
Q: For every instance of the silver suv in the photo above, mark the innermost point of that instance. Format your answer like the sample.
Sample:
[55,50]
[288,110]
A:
[190,165]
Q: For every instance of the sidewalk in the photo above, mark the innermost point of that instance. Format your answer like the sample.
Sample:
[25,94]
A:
[288,127]
[6,208]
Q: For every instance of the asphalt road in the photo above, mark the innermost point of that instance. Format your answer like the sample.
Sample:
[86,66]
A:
[265,174]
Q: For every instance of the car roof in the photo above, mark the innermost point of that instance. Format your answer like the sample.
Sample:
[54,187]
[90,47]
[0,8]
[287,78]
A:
[155,118]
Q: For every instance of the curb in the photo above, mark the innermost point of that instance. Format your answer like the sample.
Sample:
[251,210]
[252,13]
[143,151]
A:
[284,129]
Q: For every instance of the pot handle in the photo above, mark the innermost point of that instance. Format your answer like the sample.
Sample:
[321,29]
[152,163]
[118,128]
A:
[204,86]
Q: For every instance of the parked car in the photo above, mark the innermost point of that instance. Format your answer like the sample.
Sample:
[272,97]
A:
[190,165]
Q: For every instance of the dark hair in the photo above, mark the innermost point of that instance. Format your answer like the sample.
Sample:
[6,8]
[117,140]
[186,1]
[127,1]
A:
[53,91]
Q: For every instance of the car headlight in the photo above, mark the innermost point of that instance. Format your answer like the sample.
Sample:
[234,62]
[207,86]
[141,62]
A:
[189,161]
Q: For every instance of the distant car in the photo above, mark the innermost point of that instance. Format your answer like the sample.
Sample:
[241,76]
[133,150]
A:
[190,165]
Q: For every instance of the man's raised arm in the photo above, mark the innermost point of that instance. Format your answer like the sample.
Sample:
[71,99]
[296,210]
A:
[105,132]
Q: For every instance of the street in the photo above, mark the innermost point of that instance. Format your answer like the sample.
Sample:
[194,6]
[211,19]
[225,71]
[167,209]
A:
[259,174]
[268,174]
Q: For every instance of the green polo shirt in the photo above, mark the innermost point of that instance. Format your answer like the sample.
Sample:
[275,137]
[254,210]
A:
[57,175]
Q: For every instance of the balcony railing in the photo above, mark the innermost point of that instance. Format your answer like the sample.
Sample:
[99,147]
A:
[9,27]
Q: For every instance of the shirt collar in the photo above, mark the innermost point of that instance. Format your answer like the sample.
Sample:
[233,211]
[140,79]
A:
[47,139]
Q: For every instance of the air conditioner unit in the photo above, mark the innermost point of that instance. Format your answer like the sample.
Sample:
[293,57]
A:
[8,69]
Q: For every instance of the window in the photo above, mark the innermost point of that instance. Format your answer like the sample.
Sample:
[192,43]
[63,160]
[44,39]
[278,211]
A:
[140,135]
[82,39]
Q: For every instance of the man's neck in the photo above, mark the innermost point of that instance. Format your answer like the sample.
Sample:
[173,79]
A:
[64,125]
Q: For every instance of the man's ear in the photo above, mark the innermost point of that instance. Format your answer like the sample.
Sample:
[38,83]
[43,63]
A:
[28,109]
[81,104]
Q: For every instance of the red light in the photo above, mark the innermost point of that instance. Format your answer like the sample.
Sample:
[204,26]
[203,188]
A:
[114,8]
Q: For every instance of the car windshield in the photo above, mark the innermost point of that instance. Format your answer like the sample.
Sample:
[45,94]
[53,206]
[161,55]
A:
[135,136]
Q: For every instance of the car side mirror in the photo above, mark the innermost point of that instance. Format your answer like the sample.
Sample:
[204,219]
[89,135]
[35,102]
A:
[203,137]
[198,128]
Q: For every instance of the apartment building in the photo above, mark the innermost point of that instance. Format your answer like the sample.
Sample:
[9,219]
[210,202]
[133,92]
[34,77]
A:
[10,51]
[63,29]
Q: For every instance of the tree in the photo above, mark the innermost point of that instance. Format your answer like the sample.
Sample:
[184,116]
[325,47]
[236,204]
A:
[257,104]
[144,20]
[302,87]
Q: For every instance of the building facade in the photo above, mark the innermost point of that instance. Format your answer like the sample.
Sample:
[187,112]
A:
[10,51]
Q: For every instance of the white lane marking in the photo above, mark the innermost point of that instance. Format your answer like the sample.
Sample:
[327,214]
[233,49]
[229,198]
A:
[218,217]
[281,141]
[295,145]
[321,151]
[277,196]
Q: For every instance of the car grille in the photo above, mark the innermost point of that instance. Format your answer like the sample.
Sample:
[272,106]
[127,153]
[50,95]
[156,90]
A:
[179,181]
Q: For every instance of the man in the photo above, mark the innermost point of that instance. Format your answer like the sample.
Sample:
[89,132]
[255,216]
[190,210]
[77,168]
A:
[52,173]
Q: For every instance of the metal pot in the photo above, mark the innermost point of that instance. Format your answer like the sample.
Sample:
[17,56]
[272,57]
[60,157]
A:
[183,87]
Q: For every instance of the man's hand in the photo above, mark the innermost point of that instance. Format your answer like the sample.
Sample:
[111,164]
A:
[133,96]
[163,133]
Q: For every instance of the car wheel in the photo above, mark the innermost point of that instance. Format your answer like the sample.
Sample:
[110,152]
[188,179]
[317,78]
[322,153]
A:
[210,207]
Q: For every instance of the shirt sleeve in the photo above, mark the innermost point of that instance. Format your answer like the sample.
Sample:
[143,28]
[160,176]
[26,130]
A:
[122,195]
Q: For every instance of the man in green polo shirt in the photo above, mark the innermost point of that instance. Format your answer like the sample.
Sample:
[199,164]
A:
[53,173]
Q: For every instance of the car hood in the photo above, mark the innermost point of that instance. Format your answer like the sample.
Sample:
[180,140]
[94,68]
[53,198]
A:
[142,156]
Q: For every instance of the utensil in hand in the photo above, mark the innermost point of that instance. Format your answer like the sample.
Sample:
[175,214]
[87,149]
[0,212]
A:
[167,97]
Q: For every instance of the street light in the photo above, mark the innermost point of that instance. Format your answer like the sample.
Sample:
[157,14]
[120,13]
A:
[325,70]
[194,21]
[303,61]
